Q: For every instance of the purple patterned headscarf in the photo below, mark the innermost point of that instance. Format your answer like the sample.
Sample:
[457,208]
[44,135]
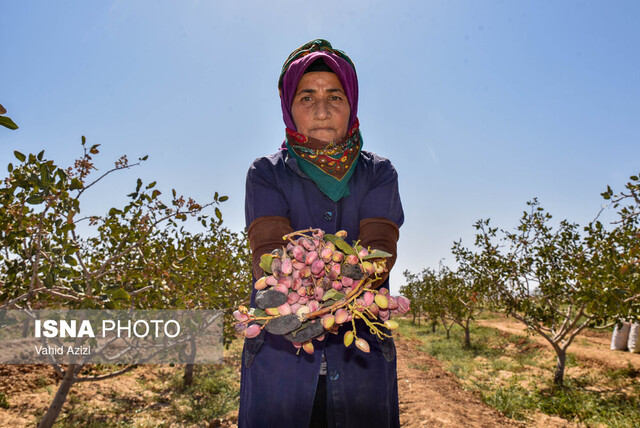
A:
[295,66]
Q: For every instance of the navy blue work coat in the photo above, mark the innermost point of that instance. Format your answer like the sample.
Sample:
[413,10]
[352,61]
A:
[278,387]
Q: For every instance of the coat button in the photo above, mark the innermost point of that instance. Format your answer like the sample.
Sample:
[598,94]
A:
[334,375]
[328,215]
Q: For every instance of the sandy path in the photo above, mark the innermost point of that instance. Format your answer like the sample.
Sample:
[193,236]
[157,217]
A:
[431,397]
[589,348]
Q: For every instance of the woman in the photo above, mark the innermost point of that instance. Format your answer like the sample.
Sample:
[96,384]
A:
[320,178]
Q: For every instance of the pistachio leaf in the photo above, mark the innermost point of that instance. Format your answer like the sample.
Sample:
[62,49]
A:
[265,262]
[376,254]
[332,294]
[341,244]
[7,122]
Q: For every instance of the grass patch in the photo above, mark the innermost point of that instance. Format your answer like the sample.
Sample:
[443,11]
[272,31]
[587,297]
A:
[41,382]
[628,372]
[513,401]
[590,407]
[514,374]
[214,393]
[4,402]
[80,414]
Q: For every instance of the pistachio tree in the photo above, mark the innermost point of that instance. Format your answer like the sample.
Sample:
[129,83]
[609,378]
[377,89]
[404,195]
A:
[624,244]
[139,255]
[420,289]
[554,279]
[461,297]
[412,290]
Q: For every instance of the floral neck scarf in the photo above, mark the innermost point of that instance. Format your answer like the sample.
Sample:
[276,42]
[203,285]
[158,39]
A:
[330,166]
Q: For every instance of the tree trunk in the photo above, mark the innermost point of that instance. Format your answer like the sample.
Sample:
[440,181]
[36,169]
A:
[187,379]
[434,323]
[444,324]
[558,378]
[61,396]
[467,336]
[418,319]
[413,321]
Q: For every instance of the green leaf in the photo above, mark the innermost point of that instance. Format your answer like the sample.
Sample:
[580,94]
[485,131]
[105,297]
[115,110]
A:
[48,280]
[76,184]
[223,198]
[377,254]
[341,244]
[71,260]
[332,294]
[621,294]
[67,227]
[218,213]
[41,155]
[119,294]
[19,156]
[265,262]
[7,122]
[34,199]
[45,175]
[259,313]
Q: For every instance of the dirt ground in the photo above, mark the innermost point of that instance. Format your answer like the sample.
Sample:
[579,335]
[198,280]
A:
[591,346]
[432,397]
[429,396]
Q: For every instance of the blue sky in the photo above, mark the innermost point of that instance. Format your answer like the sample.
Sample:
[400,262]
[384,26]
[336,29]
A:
[480,105]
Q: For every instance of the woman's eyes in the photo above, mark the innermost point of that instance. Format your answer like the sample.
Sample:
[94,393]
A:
[331,98]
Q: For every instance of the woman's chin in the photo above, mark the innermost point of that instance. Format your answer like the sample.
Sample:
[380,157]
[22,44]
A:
[327,137]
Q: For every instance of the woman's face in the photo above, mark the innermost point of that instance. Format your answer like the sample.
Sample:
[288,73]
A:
[320,107]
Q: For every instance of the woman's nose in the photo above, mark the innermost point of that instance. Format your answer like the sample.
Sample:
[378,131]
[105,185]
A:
[322,110]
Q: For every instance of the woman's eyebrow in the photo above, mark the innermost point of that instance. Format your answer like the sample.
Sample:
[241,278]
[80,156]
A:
[313,91]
